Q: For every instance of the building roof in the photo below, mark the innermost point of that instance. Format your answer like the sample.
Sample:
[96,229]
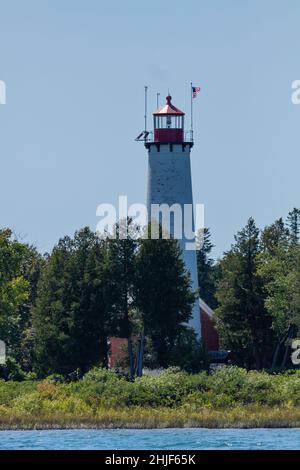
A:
[205,307]
[169,109]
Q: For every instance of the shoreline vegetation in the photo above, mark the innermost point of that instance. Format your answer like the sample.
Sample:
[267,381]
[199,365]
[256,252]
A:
[238,418]
[229,398]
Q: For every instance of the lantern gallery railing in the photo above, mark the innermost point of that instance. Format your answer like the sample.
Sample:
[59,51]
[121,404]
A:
[148,136]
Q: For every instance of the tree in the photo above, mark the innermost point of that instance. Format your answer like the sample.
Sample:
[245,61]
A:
[88,315]
[14,291]
[206,268]
[31,268]
[120,278]
[273,237]
[120,282]
[164,295]
[293,223]
[69,318]
[279,268]
[242,319]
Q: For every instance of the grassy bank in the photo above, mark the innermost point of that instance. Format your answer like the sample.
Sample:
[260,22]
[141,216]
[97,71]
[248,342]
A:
[137,418]
[230,397]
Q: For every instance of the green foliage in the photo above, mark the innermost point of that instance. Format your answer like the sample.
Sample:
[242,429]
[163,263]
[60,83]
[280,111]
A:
[188,353]
[55,379]
[242,319]
[163,295]
[293,223]
[225,387]
[11,370]
[105,388]
[14,290]
[69,318]
[19,271]
[279,268]
[90,289]
[11,390]
[206,268]
[99,390]
[57,310]
[120,280]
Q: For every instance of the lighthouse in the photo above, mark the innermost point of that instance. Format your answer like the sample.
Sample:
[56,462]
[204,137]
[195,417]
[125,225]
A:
[170,183]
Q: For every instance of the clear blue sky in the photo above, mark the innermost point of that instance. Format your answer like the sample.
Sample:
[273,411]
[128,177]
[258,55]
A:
[75,72]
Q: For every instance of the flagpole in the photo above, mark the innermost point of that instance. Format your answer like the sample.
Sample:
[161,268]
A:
[146,89]
[191,91]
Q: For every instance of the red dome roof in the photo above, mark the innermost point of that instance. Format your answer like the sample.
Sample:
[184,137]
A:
[169,109]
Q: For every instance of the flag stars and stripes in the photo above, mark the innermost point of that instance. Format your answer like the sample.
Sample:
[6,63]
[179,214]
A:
[195,91]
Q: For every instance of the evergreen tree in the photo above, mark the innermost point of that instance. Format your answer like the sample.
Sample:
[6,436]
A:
[31,267]
[69,318]
[242,319]
[293,223]
[206,268]
[274,236]
[120,278]
[88,321]
[164,296]
[120,282]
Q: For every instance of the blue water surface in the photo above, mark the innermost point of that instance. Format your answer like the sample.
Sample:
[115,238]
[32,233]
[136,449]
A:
[149,439]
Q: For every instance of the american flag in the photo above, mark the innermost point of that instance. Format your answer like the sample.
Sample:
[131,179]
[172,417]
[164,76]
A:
[195,90]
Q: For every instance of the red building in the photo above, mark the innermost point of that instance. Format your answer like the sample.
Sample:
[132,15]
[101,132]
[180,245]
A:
[117,351]
[208,330]
[117,347]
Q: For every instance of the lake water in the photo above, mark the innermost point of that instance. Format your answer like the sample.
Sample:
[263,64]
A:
[152,439]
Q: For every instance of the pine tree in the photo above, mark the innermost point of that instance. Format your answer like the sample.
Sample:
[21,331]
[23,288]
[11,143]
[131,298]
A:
[31,268]
[120,277]
[88,321]
[242,319]
[293,223]
[274,236]
[206,268]
[119,285]
[69,318]
[164,296]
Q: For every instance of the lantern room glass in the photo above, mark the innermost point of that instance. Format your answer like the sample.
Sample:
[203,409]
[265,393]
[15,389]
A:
[168,122]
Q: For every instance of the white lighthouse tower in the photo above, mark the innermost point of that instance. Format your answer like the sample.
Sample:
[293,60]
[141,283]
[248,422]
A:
[169,181]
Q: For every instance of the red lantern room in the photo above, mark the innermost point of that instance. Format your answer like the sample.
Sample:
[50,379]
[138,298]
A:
[168,124]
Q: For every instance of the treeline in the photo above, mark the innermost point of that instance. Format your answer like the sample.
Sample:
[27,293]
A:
[57,310]
[255,290]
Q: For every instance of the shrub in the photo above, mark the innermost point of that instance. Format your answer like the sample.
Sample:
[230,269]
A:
[68,405]
[228,380]
[261,388]
[55,378]
[12,371]
[11,390]
[100,389]
[291,388]
[31,403]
